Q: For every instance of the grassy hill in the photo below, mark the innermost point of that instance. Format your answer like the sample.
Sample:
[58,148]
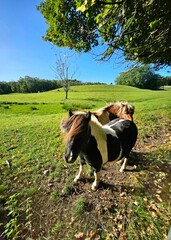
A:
[37,197]
[87,97]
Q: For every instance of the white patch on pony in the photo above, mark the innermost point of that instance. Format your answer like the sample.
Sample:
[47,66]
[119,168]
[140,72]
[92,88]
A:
[103,116]
[120,120]
[123,167]
[70,156]
[109,130]
[96,181]
[100,136]
[81,173]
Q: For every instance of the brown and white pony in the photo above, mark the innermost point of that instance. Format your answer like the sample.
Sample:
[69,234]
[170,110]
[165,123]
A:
[96,144]
[104,115]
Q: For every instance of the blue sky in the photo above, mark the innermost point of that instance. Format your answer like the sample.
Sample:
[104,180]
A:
[24,53]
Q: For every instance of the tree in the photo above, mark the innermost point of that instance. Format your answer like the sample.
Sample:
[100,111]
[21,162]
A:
[5,88]
[141,29]
[63,72]
[141,77]
[14,87]
[166,81]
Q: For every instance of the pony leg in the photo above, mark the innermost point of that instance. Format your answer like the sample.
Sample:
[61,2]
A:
[81,173]
[123,167]
[96,181]
[120,161]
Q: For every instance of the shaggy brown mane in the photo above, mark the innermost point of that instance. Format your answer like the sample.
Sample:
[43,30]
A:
[75,124]
[122,110]
[115,110]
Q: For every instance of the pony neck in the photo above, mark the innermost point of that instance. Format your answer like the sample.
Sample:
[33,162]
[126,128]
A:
[99,134]
[96,127]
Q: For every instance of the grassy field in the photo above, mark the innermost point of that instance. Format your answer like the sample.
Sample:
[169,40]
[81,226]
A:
[37,197]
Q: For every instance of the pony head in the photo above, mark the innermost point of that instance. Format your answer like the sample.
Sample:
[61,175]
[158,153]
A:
[122,110]
[67,123]
[77,134]
[112,111]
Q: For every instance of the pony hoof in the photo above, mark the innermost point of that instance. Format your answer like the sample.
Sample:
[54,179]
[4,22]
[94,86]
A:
[76,180]
[119,162]
[94,187]
[121,170]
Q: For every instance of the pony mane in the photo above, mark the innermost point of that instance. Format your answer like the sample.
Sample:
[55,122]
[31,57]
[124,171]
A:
[123,107]
[118,107]
[101,110]
[115,110]
[128,107]
[75,124]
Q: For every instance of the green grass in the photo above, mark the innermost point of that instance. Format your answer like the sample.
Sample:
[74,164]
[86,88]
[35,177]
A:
[32,144]
[79,206]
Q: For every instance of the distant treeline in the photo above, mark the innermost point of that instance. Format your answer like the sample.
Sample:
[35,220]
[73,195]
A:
[33,85]
[143,77]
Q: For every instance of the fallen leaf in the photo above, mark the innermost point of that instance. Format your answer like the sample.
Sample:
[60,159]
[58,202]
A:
[159,198]
[122,194]
[135,203]
[119,226]
[91,235]
[79,236]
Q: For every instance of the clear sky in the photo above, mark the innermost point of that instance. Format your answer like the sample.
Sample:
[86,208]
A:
[24,53]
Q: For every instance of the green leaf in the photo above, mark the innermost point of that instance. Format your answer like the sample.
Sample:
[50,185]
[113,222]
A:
[154,23]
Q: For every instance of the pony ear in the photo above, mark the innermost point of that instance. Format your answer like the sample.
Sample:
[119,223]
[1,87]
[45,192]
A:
[123,104]
[70,113]
[126,109]
[88,115]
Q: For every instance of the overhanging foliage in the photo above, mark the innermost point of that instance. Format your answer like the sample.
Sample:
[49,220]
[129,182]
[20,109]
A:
[141,29]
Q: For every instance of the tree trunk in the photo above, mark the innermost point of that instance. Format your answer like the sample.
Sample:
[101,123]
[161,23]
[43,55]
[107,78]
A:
[66,94]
